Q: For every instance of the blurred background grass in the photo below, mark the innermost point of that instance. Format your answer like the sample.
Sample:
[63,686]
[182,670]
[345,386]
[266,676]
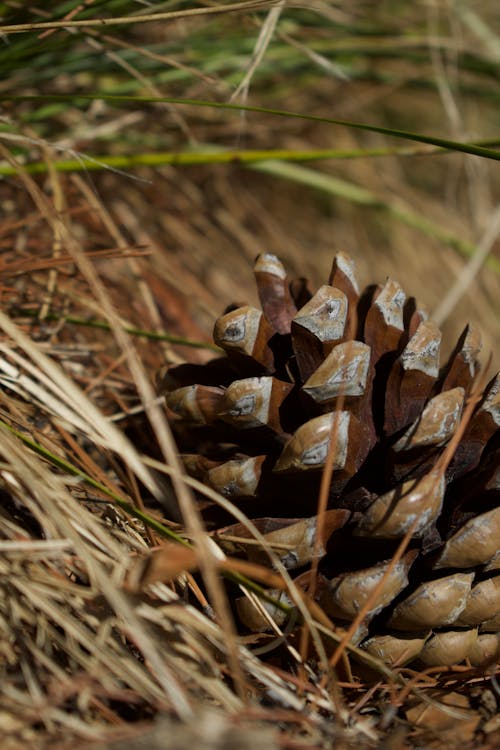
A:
[400,208]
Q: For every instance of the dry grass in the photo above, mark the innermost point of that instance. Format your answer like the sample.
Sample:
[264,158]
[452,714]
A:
[92,649]
[92,652]
[82,657]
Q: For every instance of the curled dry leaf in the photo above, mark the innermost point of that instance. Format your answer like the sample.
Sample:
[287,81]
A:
[161,565]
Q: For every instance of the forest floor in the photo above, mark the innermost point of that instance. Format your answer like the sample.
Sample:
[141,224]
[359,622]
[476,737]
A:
[90,655]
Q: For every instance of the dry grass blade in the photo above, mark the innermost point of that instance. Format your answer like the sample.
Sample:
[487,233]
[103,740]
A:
[470,271]
[248,5]
[265,37]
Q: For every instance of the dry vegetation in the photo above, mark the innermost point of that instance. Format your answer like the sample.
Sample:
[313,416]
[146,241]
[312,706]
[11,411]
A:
[109,274]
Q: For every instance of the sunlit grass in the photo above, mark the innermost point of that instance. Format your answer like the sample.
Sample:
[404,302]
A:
[201,131]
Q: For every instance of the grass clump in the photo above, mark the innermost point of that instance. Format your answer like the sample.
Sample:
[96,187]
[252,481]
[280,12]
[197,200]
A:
[129,220]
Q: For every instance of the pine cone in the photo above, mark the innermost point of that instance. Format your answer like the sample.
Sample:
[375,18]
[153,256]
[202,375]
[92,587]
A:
[362,370]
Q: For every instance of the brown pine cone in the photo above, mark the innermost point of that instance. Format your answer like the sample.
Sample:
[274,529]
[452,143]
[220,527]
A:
[363,370]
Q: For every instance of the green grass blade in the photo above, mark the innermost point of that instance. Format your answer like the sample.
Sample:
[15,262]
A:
[62,463]
[467,148]
[140,332]
[93,162]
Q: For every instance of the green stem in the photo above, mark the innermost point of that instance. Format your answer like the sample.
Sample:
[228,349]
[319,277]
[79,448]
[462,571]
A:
[467,148]
[94,163]
[102,325]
